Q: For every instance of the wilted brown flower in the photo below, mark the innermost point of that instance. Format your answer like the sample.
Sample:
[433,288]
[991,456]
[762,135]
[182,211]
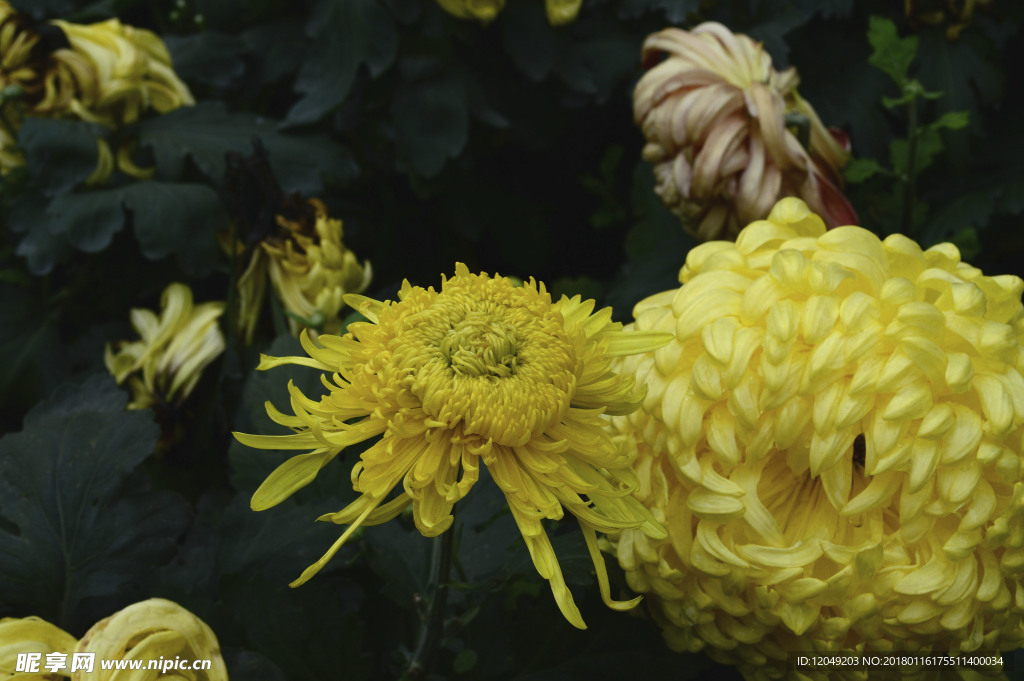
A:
[724,133]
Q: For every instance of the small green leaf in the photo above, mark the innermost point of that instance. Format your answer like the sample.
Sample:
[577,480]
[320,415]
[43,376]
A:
[465,661]
[951,120]
[860,169]
[892,54]
[210,58]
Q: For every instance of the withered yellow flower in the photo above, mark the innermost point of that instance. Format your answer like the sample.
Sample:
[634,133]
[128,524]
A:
[834,443]
[955,15]
[480,371]
[133,72]
[106,73]
[151,631]
[723,131]
[165,365]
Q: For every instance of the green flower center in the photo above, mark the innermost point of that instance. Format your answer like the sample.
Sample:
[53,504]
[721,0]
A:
[481,346]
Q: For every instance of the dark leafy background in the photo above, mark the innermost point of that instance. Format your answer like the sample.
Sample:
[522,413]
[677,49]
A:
[509,147]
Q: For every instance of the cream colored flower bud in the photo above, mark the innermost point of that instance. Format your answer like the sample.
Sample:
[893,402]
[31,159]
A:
[153,630]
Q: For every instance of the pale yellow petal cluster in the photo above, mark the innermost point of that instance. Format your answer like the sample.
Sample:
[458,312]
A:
[724,130]
[109,74]
[311,271]
[485,11]
[834,443]
[132,69]
[164,366]
[31,635]
[482,371]
[144,631]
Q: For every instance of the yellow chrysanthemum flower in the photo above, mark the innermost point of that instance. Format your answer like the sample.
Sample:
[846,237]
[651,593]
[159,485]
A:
[481,370]
[33,636]
[165,365]
[150,630]
[108,73]
[147,631]
[723,131]
[133,72]
[485,11]
[833,442]
[310,268]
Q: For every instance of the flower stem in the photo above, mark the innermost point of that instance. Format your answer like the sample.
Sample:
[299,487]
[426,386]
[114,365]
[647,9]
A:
[432,624]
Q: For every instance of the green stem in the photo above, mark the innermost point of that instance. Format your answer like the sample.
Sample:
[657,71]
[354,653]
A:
[432,625]
[910,186]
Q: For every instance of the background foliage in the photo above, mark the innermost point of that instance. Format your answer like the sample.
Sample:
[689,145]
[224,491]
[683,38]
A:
[510,147]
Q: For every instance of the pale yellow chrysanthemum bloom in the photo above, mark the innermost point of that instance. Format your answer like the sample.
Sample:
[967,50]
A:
[714,113]
[165,365]
[151,630]
[480,371]
[833,441]
[31,635]
[133,70]
[558,11]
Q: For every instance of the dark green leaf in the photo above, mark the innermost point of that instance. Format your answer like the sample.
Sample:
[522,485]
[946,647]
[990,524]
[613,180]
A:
[892,54]
[208,58]
[89,219]
[34,361]
[346,34]
[675,11]
[966,71]
[529,40]
[182,219]
[207,131]
[41,248]
[400,555]
[80,529]
[431,116]
[44,8]
[465,661]
[59,154]
[970,210]
[312,632]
